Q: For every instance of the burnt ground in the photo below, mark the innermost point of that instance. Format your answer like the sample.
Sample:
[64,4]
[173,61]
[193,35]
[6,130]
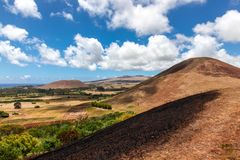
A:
[120,140]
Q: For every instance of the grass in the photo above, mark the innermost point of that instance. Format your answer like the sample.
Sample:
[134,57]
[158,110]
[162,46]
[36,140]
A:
[17,142]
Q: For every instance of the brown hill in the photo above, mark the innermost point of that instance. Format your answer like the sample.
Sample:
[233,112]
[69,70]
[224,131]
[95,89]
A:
[201,119]
[203,126]
[64,84]
[193,76]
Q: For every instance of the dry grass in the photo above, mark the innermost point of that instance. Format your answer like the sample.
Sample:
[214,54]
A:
[52,111]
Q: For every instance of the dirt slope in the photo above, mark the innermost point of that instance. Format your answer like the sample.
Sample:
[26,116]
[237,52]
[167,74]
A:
[203,126]
[187,78]
[64,84]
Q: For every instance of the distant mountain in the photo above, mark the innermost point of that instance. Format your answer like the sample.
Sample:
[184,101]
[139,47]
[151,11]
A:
[64,84]
[133,79]
[118,82]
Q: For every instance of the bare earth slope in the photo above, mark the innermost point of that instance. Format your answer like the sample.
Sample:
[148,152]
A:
[187,78]
[64,84]
[203,126]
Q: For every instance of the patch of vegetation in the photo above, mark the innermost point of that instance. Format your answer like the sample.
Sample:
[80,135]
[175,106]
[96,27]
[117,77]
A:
[4,114]
[10,129]
[17,105]
[101,105]
[17,142]
[68,136]
[99,97]
[18,146]
[36,106]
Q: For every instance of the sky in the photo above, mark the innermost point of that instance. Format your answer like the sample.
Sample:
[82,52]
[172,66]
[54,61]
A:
[47,40]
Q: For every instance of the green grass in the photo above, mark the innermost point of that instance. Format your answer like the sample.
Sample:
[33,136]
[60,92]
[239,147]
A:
[41,139]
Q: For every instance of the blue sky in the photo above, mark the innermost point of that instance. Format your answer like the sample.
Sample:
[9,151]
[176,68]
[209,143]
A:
[47,40]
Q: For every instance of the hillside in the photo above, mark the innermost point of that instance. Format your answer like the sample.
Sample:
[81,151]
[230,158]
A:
[196,75]
[202,126]
[64,84]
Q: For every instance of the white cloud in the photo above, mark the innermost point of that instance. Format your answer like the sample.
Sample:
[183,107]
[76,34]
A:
[13,33]
[225,28]
[67,16]
[144,17]
[14,55]
[207,46]
[86,54]
[50,56]
[159,53]
[27,8]
[25,77]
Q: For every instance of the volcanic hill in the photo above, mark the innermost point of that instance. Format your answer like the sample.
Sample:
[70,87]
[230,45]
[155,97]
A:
[64,84]
[192,76]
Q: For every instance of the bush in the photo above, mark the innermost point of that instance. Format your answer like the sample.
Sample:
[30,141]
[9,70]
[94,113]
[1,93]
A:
[36,106]
[33,102]
[17,105]
[101,105]
[15,113]
[4,114]
[68,136]
[11,129]
[50,143]
[18,146]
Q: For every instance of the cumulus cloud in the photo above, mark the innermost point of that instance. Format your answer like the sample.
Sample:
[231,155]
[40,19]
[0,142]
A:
[50,56]
[158,54]
[208,46]
[13,33]
[144,17]
[65,15]
[27,8]
[225,28]
[85,54]
[14,55]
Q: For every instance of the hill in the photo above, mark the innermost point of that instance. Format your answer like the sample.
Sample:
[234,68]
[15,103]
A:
[119,82]
[202,126]
[192,76]
[64,84]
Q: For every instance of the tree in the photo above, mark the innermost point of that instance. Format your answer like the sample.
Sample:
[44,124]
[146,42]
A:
[17,105]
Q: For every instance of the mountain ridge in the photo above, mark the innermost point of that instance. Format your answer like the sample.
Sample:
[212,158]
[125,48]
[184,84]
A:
[64,84]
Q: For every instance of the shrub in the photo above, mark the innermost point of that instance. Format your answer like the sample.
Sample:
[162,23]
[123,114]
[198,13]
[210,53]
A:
[68,136]
[11,129]
[36,106]
[4,114]
[18,146]
[101,105]
[15,113]
[33,102]
[50,143]
[17,105]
